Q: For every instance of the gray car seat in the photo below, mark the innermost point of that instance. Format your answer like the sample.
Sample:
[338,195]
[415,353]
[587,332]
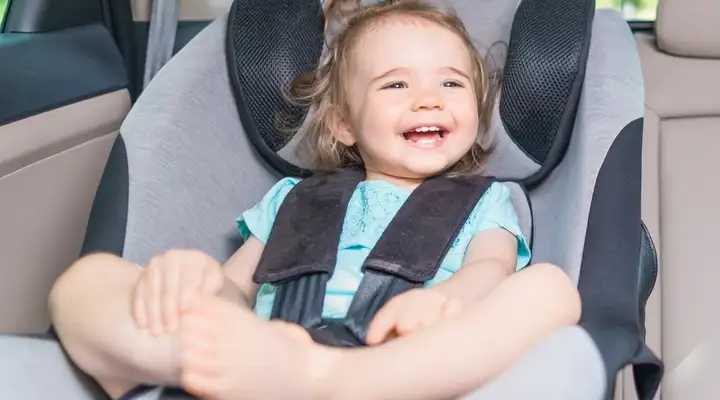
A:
[199,147]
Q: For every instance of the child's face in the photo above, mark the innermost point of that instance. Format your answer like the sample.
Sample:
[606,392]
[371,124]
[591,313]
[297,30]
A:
[406,75]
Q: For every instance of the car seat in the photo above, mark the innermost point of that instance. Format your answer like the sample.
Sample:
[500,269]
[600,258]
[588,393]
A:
[200,146]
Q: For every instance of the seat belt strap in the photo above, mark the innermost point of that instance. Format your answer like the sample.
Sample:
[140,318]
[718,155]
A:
[306,232]
[300,254]
[413,246]
[161,36]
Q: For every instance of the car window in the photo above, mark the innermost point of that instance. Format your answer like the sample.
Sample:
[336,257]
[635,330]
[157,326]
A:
[632,10]
[3,8]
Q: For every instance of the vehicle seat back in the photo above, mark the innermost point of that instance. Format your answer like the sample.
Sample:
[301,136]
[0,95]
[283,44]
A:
[198,149]
[681,68]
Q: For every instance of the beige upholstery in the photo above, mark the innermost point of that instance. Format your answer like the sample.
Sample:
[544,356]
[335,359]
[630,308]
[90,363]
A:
[190,10]
[689,28]
[50,167]
[681,69]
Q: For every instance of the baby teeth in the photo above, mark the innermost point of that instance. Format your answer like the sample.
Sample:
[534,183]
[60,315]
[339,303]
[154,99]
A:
[427,129]
[428,141]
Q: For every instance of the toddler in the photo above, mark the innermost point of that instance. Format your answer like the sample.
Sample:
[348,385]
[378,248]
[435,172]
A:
[403,94]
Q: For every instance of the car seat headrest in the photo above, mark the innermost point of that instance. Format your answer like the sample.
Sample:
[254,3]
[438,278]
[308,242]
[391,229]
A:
[689,28]
[271,42]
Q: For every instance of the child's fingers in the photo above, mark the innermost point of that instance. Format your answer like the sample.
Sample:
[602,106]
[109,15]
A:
[213,277]
[170,296]
[382,325]
[189,288]
[153,303]
[138,304]
[408,323]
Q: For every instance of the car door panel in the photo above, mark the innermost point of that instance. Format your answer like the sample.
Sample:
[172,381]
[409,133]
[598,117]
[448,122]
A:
[50,167]
[63,98]
[50,70]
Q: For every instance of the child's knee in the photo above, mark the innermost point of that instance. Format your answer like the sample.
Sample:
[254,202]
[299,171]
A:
[557,288]
[87,267]
[82,274]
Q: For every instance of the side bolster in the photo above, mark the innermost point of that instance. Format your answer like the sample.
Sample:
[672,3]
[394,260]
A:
[37,368]
[190,165]
[565,366]
[609,280]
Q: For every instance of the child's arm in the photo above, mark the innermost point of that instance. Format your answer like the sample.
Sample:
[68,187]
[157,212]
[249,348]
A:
[491,257]
[239,270]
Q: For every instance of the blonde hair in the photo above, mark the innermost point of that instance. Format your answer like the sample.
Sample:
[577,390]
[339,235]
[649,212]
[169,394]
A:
[324,92]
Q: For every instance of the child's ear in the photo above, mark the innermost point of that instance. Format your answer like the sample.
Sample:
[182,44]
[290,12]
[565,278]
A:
[340,128]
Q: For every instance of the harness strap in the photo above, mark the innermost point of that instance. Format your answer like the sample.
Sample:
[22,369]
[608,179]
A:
[306,233]
[376,289]
[413,246]
[301,300]
[301,251]
[423,230]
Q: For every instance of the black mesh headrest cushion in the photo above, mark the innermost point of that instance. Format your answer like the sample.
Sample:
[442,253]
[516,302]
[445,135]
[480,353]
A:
[271,42]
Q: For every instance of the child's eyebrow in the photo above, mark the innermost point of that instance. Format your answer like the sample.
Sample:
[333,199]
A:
[457,71]
[394,71]
[388,73]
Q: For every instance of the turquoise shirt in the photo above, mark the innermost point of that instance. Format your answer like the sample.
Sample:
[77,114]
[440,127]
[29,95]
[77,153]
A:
[371,208]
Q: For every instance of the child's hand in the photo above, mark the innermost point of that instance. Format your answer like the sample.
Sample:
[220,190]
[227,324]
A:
[408,312]
[168,285]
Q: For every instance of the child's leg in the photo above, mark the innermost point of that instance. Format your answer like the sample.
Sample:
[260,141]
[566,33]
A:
[229,354]
[90,306]
[465,352]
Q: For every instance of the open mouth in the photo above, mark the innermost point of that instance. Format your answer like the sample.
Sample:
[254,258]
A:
[426,135]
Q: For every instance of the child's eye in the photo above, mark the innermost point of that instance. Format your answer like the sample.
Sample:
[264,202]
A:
[452,84]
[395,85]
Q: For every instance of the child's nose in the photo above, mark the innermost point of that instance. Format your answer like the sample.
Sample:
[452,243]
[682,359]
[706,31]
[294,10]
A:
[428,100]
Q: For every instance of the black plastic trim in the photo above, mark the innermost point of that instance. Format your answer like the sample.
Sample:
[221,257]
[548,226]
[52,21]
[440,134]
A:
[609,276]
[47,337]
[33,16]
[117,16]
[107,224]
[51,70]
[648,269]
[642,26]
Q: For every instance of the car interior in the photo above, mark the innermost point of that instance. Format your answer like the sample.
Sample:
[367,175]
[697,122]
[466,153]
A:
[83,121]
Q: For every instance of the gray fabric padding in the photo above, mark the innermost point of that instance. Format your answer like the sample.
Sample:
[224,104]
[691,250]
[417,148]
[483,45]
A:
[612,97]
[37,369]
[488,22]
[506,159]
[291,151]
[192,169]
[565,366]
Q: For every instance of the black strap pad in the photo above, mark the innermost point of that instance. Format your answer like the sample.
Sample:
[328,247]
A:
[306,233]
[421,233]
